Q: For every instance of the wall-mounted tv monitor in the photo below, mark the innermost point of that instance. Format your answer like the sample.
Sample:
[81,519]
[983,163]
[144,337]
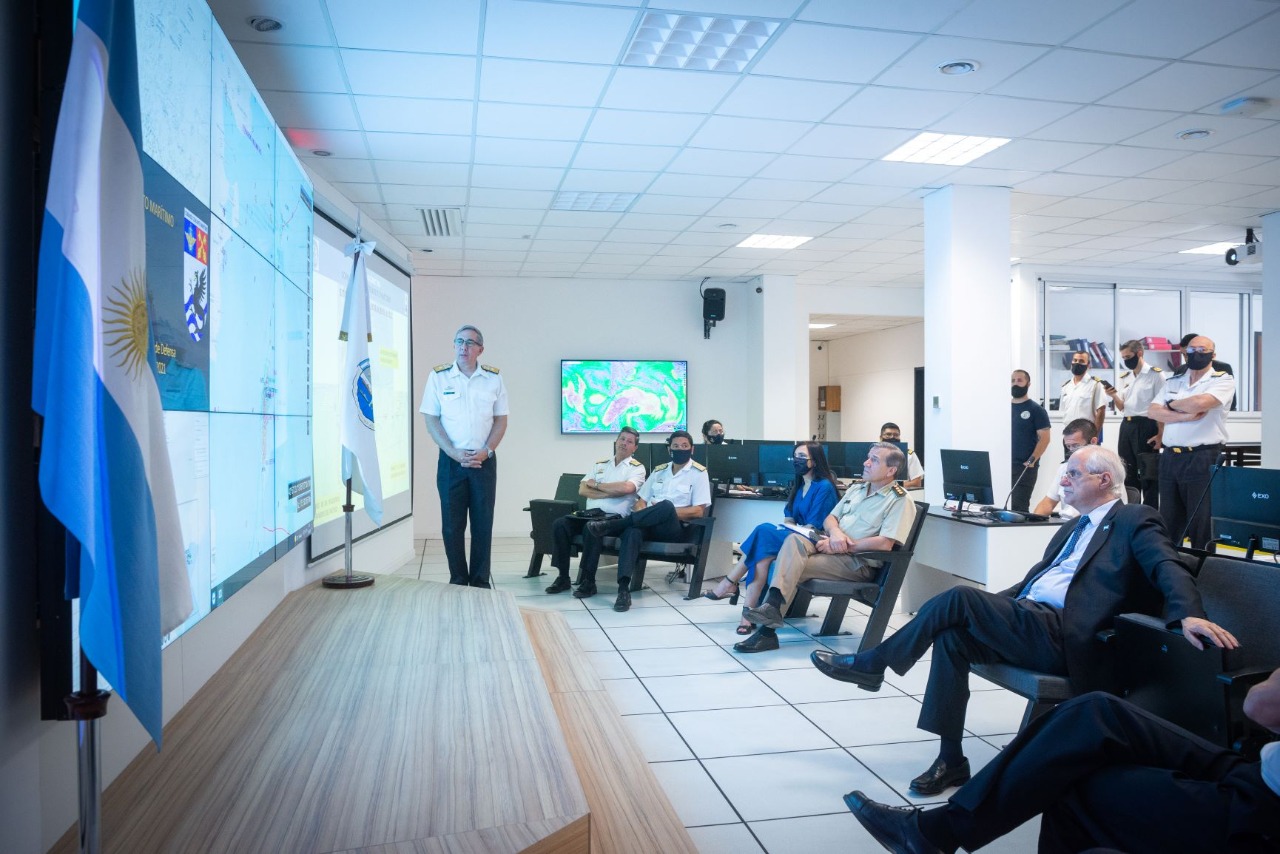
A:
[605,395]
[967,475]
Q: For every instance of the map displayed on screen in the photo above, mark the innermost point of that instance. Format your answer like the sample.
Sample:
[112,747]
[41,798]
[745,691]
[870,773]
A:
[603,396]
[293,217]
[242,453]
[242,317]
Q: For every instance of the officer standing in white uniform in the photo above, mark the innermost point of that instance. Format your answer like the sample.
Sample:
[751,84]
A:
[1082,396]
[1140,384]
[465,404]
[670,495]
[1193,409]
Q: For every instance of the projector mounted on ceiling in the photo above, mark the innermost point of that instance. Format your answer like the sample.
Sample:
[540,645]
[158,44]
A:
[1248,253]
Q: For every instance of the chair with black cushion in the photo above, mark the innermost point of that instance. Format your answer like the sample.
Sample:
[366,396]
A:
[1203,690]
[543,512]
[881,593]
[692,553]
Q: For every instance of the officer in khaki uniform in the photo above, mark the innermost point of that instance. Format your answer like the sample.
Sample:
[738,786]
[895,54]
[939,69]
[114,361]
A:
[1193,409]
[1140,384]
[874,515]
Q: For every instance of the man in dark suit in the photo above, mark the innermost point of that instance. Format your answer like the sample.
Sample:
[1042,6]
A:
[1117,558]
[1105,773]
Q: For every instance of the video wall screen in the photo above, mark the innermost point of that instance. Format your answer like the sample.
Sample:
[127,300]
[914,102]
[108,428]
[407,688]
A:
[229,215]
[389,355]
[605,395]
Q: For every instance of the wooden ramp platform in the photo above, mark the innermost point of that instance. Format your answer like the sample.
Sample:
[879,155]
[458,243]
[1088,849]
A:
[405,717]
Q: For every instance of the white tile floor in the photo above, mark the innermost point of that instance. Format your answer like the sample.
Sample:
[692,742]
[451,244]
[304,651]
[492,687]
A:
[755,751]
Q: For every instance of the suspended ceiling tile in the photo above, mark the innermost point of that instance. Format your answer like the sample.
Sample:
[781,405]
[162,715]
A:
[794,100]
[563,84]
[1103,124]
[640,158]
[837,54]
[1019,21]
[410,75]
[997,61]
[414,115]
[515,151]
[628,126]
[556,32]
[420,147]
[1186,87]
[531,121]
[672,90]
[1168,28]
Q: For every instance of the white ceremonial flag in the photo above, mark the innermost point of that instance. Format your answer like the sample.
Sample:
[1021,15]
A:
[359,448]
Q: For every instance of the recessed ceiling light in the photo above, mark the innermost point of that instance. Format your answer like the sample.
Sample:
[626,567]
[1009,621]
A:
[1194,133]
[727,226]
[320,152]
[821,325]
[958,67]
[697,42]
[946,149]
[1211,249]
[606,202]
[772,241]
[263,24]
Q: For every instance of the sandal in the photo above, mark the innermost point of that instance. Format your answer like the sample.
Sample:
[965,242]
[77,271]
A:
[716,597]
[746,628]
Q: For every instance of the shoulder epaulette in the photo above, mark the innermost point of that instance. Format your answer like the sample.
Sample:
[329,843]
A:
[490,368]
[1157,370]
[897,488]
[605,460]
[1125,374]
[441,368]
[634,461]
[1095,379]
[661,467]
[1068,382]
[1219,373]
[698,466]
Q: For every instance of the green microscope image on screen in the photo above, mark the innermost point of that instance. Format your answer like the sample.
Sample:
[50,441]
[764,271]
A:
[603,396]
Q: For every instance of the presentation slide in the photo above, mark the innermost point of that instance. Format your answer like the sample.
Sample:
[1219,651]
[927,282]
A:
[605,395]
[389,357]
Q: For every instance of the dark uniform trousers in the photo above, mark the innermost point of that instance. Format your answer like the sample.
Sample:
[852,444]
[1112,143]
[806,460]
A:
[1184,482]
[967,626]
[1105,773]
[1020,494]
[1135,430]
[562,533]
[657,522]
[463,492]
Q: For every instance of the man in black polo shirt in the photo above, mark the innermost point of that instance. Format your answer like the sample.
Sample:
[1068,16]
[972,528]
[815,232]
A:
[1029,438]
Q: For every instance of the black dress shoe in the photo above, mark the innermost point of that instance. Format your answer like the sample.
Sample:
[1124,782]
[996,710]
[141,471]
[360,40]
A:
[560,585]
[941,777]
[896,828]
[623,602]
[598,528]
[843,667]
[765,615]
[758,642]
[584,590]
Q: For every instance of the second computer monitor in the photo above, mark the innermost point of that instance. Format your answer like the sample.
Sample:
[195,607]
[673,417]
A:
[966,475]
[733,463]
[1245,508]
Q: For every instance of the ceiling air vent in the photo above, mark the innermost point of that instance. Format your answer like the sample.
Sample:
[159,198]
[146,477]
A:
[442,222]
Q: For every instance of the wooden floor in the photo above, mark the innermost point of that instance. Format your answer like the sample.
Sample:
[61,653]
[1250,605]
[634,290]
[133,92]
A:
[405,717]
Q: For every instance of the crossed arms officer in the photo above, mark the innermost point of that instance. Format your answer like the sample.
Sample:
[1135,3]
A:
[465,404]
[1193,409]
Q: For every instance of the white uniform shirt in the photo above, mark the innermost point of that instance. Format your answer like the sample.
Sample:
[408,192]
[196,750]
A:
[466,406]
[688,487]
[1081,399]
[914,469]
[1210,430]
[1138,390]
[606,471]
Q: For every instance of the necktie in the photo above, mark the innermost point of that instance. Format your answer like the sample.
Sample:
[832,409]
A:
[1062,555]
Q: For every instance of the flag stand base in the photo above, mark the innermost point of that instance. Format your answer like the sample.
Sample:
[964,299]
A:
[347,580]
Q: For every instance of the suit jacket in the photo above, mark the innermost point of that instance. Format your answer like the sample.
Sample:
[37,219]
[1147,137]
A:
[1129,565]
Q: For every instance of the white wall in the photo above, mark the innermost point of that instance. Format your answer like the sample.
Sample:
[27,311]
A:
[876,375]
[529,325]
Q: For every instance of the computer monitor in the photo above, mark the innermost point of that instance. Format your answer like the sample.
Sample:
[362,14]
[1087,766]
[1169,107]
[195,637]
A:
[966,476]
[653,454]
[1245,508]
[733,463]
[776,468]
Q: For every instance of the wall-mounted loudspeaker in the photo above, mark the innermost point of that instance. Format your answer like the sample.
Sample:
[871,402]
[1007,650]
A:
[713,304]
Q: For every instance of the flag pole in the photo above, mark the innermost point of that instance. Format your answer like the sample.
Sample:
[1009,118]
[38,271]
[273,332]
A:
[87,706]
[348,580]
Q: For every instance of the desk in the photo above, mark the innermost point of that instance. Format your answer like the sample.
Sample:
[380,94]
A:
[977,552]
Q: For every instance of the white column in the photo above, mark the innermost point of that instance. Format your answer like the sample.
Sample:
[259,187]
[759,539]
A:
[784,360]
[967,329]
[1271,343]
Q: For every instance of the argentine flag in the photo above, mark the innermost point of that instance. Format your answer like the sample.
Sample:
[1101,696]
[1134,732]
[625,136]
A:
[104,464]
[359,447]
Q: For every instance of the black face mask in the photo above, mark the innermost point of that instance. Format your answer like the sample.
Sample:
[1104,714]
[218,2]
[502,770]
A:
[1078,369]
[802,466]
[1018,391]
[716,438]
[1132,362]
[1199,361]
[680,457]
